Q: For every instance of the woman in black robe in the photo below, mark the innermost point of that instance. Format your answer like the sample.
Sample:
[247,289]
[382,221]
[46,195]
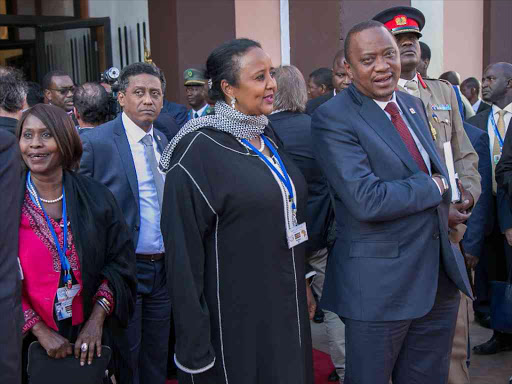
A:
[238,290]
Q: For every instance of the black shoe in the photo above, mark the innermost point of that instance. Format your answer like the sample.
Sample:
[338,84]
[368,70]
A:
[484,319]
[493,346]
[319,316]
[333,376]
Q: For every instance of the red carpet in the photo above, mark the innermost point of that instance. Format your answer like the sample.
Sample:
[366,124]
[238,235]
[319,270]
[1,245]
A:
[322,363]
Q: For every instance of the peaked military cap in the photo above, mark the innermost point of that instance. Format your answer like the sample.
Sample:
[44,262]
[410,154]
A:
[402,20]
[194,77]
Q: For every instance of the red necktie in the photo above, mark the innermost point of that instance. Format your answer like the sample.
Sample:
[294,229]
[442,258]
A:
[405,134]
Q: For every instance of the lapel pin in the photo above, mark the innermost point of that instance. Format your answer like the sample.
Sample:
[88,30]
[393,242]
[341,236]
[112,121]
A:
[412,110]
[158,137]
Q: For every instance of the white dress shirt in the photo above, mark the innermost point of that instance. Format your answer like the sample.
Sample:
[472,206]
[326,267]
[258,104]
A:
[401,83]
[150,236]
[490,128]
[421,149]
[200,112]
[476,105]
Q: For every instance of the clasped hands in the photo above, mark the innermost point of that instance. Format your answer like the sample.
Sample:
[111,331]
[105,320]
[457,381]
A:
[59,347]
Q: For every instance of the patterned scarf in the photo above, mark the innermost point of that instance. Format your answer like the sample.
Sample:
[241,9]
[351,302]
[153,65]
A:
[226,119]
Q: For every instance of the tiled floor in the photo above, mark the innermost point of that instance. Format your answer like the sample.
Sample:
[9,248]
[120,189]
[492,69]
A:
[496,369]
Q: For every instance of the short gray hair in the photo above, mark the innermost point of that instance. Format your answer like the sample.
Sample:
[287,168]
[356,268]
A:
[292,92]
[13,89]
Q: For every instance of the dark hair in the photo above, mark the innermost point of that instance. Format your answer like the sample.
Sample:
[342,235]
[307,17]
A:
[339,55]
[224,64]
[322,76]
[452,77]
[472,82]
[47,79]
[370,24]
[91,102]
[139,69]
[13,89]
[35,94]
[425,51]
[62,129]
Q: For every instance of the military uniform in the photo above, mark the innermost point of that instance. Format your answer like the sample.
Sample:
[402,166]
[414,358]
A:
[446,126]
[196,77]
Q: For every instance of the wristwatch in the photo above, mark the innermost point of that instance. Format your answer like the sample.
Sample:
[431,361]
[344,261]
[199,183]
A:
[446,186]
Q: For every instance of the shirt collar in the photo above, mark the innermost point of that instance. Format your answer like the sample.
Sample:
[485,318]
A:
[401,82]
[133,131]
[496,109]
[200,112]
[477,104]
[383,104]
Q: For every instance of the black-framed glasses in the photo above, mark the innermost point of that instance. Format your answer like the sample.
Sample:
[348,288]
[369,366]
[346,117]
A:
[64,91]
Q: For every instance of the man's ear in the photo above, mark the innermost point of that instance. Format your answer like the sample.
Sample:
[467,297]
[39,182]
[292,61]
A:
[75,112]
[348,68]
[121,98]
[47,95]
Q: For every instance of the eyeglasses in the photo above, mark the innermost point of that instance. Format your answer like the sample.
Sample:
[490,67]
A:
[64,91]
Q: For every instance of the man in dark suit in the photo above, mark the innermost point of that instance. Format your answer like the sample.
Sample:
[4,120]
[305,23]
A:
[393,275]
[471,89]
[11,320]
[340,81]
[497,89]
[178,112]
[14,90]
[124,154]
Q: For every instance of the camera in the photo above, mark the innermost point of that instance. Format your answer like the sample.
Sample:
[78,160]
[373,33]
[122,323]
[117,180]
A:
[111,77]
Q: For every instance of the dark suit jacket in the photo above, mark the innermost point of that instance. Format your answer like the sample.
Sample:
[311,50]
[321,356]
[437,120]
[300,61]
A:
[294,131]
[392,221]
[481,220]
[11,320]
[502,207]
[8,124]
[483,107]
[313,104]
[166,124]
[177,111]
[107,158]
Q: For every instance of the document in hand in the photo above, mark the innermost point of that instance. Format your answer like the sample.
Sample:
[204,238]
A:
[448,155]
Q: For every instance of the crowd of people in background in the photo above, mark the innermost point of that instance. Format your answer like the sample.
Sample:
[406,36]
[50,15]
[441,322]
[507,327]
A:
[199,241]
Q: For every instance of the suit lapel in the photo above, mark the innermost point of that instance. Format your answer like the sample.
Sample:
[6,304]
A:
[415,123]
[380,123]
[159,141]
[125,154]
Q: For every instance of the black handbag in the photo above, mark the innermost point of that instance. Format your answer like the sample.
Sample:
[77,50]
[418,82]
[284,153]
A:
[43,369]
[501,304]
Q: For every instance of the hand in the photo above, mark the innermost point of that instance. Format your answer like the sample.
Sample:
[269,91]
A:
[311,301]
[471,261]
[467,199]
[54,344]
[91,334]
[508,236]
[455,216]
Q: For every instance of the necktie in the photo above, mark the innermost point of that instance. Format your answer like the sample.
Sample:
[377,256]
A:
[157,176]
[412,88]
[496,149]
[196,115]
[405,134]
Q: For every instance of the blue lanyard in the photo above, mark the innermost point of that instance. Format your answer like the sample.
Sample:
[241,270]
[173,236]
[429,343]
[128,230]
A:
[66,267]
[496,131]
[284,176]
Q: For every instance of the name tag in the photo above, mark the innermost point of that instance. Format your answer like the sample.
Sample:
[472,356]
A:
[63,306]
[441,107]
[297,235]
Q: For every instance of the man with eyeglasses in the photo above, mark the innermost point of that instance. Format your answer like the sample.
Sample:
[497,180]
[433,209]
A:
[58,89]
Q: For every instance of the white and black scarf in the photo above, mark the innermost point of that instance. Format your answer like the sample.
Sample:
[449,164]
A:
[225,119]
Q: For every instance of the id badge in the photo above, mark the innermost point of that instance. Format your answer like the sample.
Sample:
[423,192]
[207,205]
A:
[63,306]
[297,235]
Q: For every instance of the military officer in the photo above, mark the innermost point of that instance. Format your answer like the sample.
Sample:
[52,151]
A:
[197,93]
[446,125]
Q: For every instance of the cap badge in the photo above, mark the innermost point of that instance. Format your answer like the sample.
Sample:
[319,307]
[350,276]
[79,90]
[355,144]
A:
[189,73]
[401,20]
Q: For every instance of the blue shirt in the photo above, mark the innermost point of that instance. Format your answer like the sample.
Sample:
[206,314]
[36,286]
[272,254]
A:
[150,236]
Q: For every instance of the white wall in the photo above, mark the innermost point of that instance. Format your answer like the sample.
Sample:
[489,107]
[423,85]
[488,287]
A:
[123,13]
[433,32]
